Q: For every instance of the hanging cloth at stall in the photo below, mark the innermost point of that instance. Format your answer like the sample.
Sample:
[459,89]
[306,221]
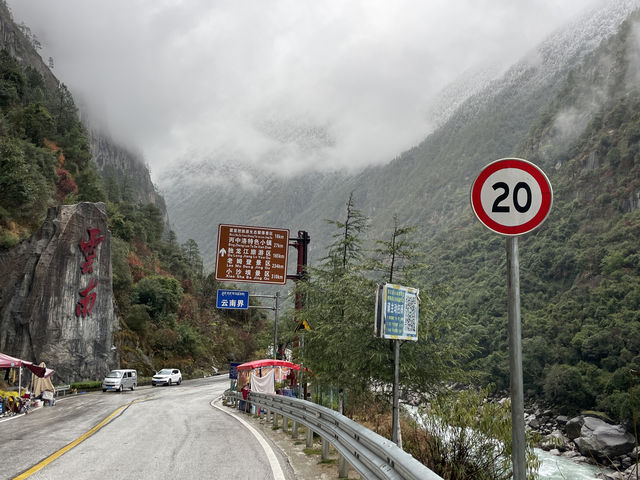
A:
[40,384]
[263,384]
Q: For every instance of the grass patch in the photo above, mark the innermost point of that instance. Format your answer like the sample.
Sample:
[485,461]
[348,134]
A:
[312,451]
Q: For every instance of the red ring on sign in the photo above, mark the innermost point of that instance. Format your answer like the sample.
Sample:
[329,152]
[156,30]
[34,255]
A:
[519,164]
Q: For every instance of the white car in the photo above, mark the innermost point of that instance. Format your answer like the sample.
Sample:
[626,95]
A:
[119,380]
[167,376]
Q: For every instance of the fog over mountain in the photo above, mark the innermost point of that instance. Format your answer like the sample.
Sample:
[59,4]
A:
[480,118]
[290,85]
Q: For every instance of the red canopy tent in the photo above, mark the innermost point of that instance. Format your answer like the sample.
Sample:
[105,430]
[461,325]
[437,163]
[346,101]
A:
[267,362]
[11,362]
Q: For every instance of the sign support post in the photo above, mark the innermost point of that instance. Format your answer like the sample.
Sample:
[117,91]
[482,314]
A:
[275,327]
[275,308]
[518,442]
[396,318]
[511,197]
[395,421]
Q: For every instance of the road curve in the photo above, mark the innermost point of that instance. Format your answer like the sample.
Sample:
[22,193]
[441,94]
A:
[150,433]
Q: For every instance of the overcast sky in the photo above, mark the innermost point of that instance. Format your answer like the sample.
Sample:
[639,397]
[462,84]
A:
[288,83]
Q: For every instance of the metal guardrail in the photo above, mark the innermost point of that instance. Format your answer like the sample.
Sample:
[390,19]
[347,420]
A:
[371,455]
[61,388]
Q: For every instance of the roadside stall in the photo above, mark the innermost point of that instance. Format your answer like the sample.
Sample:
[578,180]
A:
[14,401]
[269,376]
[42,387]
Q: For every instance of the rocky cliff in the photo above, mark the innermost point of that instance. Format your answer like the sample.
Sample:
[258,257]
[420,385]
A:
[111,158]
[127,169]
[18,45]
[56,295]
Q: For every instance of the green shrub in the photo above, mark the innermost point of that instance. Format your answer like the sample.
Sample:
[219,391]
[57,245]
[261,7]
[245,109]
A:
[96,385]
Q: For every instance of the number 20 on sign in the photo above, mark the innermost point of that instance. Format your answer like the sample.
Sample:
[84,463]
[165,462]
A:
[511,196]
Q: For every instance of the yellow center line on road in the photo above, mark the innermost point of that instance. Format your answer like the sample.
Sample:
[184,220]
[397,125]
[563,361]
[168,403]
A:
[76,442]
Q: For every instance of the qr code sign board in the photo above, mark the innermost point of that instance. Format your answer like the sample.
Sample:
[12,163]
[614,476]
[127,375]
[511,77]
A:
[400,312]
[411,315]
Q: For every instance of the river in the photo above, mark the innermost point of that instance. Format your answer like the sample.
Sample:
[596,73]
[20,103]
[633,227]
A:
[554,467]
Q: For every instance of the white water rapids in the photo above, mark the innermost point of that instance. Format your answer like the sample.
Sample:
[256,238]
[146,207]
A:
[554,467]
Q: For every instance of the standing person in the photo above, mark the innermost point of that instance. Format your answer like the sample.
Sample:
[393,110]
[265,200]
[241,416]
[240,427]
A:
[245,396]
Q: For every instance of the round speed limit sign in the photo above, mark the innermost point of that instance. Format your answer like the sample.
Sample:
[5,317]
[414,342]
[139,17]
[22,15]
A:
[511,196]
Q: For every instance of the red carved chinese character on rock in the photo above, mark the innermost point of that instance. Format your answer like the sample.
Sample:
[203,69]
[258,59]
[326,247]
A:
[85,304]
[89,249]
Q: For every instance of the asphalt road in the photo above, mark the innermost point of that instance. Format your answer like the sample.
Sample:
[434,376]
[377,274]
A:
[149,433]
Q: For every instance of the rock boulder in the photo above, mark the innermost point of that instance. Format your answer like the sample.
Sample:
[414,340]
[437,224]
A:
[56,296]
[602,441]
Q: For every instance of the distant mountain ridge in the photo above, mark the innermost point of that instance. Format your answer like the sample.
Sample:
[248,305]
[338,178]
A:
[426,185]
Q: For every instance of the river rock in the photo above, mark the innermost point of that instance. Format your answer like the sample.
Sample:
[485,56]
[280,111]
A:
[600,440]
[573,427]
[56,295]
[555,440]
[628,474]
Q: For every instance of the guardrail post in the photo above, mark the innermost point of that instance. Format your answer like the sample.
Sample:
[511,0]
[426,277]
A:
[358,448]
[343,467]
[285,423]
[309,437]
[325,449]
[294,430]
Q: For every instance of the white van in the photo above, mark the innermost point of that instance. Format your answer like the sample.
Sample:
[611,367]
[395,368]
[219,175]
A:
[119,380]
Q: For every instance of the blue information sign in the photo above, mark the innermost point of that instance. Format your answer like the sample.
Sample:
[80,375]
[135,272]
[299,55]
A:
[233,370]
[235,299]
[397,313]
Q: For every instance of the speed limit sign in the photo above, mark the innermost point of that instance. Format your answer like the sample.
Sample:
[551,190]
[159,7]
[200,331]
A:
[511,196]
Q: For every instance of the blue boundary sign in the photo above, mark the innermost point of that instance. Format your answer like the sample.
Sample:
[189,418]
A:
[233,370]
[233,299]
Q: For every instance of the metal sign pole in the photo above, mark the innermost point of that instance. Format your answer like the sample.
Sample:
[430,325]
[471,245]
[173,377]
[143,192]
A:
[515,358]
[513,196]
[275,317]
[275,328]
[395,422]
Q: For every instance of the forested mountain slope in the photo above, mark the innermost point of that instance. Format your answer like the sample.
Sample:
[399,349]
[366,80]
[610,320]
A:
[580,272]
[571,107]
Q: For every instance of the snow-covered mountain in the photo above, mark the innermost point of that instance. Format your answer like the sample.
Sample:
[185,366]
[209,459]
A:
[484,116]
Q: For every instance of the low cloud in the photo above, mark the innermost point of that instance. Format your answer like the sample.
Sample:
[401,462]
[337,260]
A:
[287,84]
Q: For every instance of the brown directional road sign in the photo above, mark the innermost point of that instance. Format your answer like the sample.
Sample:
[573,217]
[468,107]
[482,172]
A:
[252,254]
